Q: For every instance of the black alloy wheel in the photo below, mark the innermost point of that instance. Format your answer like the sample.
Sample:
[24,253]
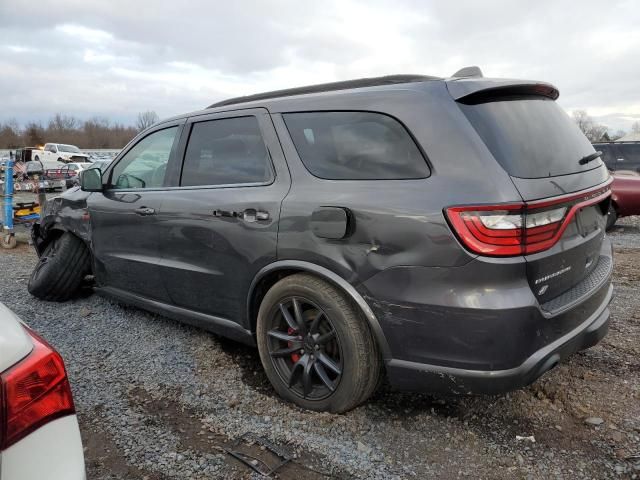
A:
[304,348]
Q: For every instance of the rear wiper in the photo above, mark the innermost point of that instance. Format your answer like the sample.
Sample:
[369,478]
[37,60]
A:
[588,158]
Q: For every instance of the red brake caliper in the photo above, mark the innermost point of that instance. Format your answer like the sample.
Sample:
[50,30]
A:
[294,356]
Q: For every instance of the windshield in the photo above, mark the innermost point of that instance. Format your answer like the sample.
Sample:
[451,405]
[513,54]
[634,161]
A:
[69,148]
[531,137]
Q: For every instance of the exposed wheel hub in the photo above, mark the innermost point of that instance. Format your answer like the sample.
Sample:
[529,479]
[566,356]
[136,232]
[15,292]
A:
[309,344]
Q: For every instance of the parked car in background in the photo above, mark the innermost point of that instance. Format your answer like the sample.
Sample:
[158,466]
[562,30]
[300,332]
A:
[448,232]
[26,154]
[61,152]
[106,155]
[631,173]
[44,169]
[99,164]
[39,434]
[625,197]
[620,155]
[71,172]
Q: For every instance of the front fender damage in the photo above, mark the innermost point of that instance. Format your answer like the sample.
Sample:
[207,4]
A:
[65,213]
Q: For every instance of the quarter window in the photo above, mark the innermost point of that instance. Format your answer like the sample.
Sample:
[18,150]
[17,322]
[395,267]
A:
[145,165]
[355,146]
[226,152]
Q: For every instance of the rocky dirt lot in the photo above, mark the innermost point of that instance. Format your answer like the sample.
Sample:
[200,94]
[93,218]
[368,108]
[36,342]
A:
[160,400]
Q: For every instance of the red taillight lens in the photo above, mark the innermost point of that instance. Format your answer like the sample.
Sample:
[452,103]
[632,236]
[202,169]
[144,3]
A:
[518,229]
[33,393]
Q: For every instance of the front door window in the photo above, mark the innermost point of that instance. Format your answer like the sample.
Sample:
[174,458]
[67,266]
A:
[145,165]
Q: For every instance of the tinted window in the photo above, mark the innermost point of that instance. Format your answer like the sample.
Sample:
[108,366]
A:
[226,152]
[609,154]
[355,146]
[531,137]
[145,165]
[630,155]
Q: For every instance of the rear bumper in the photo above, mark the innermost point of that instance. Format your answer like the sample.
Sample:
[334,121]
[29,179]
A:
[408,375]
[479,328]
[52,452]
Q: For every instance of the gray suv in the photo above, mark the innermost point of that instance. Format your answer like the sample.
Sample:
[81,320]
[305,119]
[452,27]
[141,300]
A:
[447,233]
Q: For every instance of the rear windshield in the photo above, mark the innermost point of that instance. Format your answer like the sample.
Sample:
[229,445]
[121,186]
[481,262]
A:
[531,137]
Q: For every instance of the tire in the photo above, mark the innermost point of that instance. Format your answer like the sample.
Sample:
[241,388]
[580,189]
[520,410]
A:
[37,159]
[61,268]
[334,334]
[612,217]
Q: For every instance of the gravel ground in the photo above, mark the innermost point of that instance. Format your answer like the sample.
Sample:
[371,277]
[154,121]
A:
[160,400]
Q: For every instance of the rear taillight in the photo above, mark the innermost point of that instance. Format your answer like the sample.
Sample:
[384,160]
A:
[520,228]
[33,392]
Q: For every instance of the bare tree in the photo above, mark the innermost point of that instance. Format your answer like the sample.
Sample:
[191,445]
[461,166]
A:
[63,123]
[93,133]
[635,128]
[146,119]
[34,134]
[10,134]
[592,130]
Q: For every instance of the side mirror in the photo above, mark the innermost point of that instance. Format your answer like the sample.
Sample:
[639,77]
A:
[91,180]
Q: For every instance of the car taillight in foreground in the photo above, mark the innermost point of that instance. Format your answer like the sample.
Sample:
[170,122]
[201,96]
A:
[33,392]
[519,228]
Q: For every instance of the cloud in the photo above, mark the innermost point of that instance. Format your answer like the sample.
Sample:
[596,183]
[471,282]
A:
[119,57]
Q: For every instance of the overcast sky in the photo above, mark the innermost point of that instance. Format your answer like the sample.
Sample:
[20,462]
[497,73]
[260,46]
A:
[115,58]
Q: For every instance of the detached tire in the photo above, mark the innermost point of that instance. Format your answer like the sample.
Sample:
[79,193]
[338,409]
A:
[60,270]
[315,345]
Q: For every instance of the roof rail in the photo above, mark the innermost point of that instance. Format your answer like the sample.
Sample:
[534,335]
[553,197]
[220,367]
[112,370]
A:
[328,87]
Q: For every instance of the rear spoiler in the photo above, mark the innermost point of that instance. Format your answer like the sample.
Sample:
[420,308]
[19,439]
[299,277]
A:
[481,90]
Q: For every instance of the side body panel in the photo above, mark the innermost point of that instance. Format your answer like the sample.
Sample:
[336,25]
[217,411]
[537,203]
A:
[126,246]
[213,244]
[126,233]
[392,222]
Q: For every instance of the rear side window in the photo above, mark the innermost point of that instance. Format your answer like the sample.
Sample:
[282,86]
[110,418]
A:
[628,155]
[226,152]
[531,137]
[355,146]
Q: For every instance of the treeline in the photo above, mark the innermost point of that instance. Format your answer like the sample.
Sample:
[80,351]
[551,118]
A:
[92,133]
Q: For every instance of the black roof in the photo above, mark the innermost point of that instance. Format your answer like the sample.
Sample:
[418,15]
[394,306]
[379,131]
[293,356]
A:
[328,87]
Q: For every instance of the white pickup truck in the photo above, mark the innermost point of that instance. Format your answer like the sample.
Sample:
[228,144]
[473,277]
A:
[60,152]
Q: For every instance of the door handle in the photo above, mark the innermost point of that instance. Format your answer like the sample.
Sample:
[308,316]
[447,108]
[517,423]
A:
[145,211]
[249,215]
[252,215]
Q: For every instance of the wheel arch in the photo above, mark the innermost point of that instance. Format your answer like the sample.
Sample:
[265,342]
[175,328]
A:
[43,236]
[272,273]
